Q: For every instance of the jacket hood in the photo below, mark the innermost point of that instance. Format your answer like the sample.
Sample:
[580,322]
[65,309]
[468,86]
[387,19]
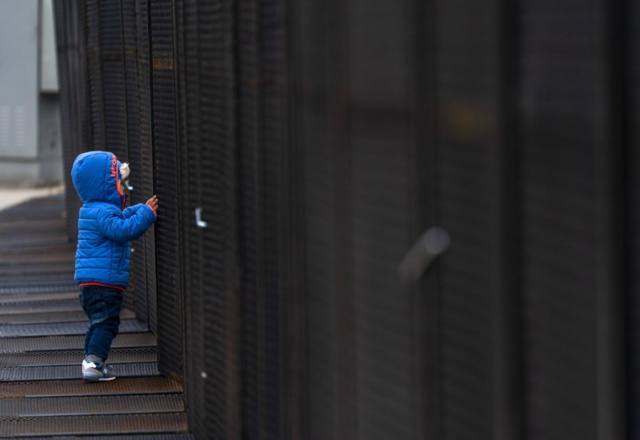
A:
[96,176]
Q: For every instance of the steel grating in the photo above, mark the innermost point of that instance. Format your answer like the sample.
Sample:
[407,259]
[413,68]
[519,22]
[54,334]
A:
[36,224]
[59,317]
[132,102]
[119,424]
[41,307]
[467,199]
[145,157]
[261,145]
[51,343]
[90,405]
[53,256]
[25,242]
[45,253]
[35,297]
[63,279]
[73,357]
[7,272]
[121,386]
[67,20]
[29,287]
[113,81]
[560,208]
[189,98]
[217,187]
[63,328]
[633,314]
[94,75]
[122,437]
[24,374]
[166,165]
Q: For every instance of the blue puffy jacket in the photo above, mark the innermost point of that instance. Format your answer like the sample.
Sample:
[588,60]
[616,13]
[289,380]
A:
[105,228]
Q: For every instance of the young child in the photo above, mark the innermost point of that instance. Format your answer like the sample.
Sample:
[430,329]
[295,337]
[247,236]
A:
[105,229]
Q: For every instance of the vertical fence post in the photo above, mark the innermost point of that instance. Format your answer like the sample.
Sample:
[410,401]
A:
[507,305]
[611,222]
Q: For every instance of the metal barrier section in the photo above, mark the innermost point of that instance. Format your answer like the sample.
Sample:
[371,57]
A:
[262,149]
[302,152]
[95,89]
[166,169]
[116,121]
[145,164]
[205,32]
[74,108]
[467,74]
[633,217]
[559,251]
[201,420]
[138,193]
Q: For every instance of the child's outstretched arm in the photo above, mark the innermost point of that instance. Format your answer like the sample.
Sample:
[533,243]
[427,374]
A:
[122,230]
[131,210]
[151,203]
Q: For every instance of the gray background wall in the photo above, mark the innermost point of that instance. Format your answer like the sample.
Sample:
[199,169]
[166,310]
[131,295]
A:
[30,141]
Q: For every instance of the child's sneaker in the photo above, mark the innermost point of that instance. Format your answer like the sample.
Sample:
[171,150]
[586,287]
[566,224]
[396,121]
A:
[96,372]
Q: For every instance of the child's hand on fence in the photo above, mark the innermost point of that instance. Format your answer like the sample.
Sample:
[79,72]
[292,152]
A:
[153,203]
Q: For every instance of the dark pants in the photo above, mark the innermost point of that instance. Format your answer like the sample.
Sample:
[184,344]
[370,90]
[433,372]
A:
[102,306]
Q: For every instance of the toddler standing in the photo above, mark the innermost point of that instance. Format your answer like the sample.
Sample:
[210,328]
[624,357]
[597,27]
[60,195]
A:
[105,229]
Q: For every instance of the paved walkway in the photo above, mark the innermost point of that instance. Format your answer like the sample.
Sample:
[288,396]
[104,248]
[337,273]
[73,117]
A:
[14,196]
[41,337]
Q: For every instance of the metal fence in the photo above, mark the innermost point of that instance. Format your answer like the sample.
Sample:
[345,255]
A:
[300,149]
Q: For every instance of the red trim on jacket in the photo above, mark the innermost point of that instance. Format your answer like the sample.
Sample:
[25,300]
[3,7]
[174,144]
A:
[122,289]
[115,172]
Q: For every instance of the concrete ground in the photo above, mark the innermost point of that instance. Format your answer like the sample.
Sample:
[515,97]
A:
[14,196]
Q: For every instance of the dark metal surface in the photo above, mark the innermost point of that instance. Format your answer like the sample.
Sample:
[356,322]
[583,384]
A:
[146,279]
[65,284]
[466,80]
[107,424]
[633,267]
[216,326]
[74,357]
[139,194]
[262,106]
[166,167]
[51,317]
[51,343]
[74,104]
[39,307]
[34,297]
[559,219]
[123,437]
[63,328]
[121,386]
[506,123]
[23,374]
[90,405]
[190,124]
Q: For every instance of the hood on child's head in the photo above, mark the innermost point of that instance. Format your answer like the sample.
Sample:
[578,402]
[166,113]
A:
[96,176]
